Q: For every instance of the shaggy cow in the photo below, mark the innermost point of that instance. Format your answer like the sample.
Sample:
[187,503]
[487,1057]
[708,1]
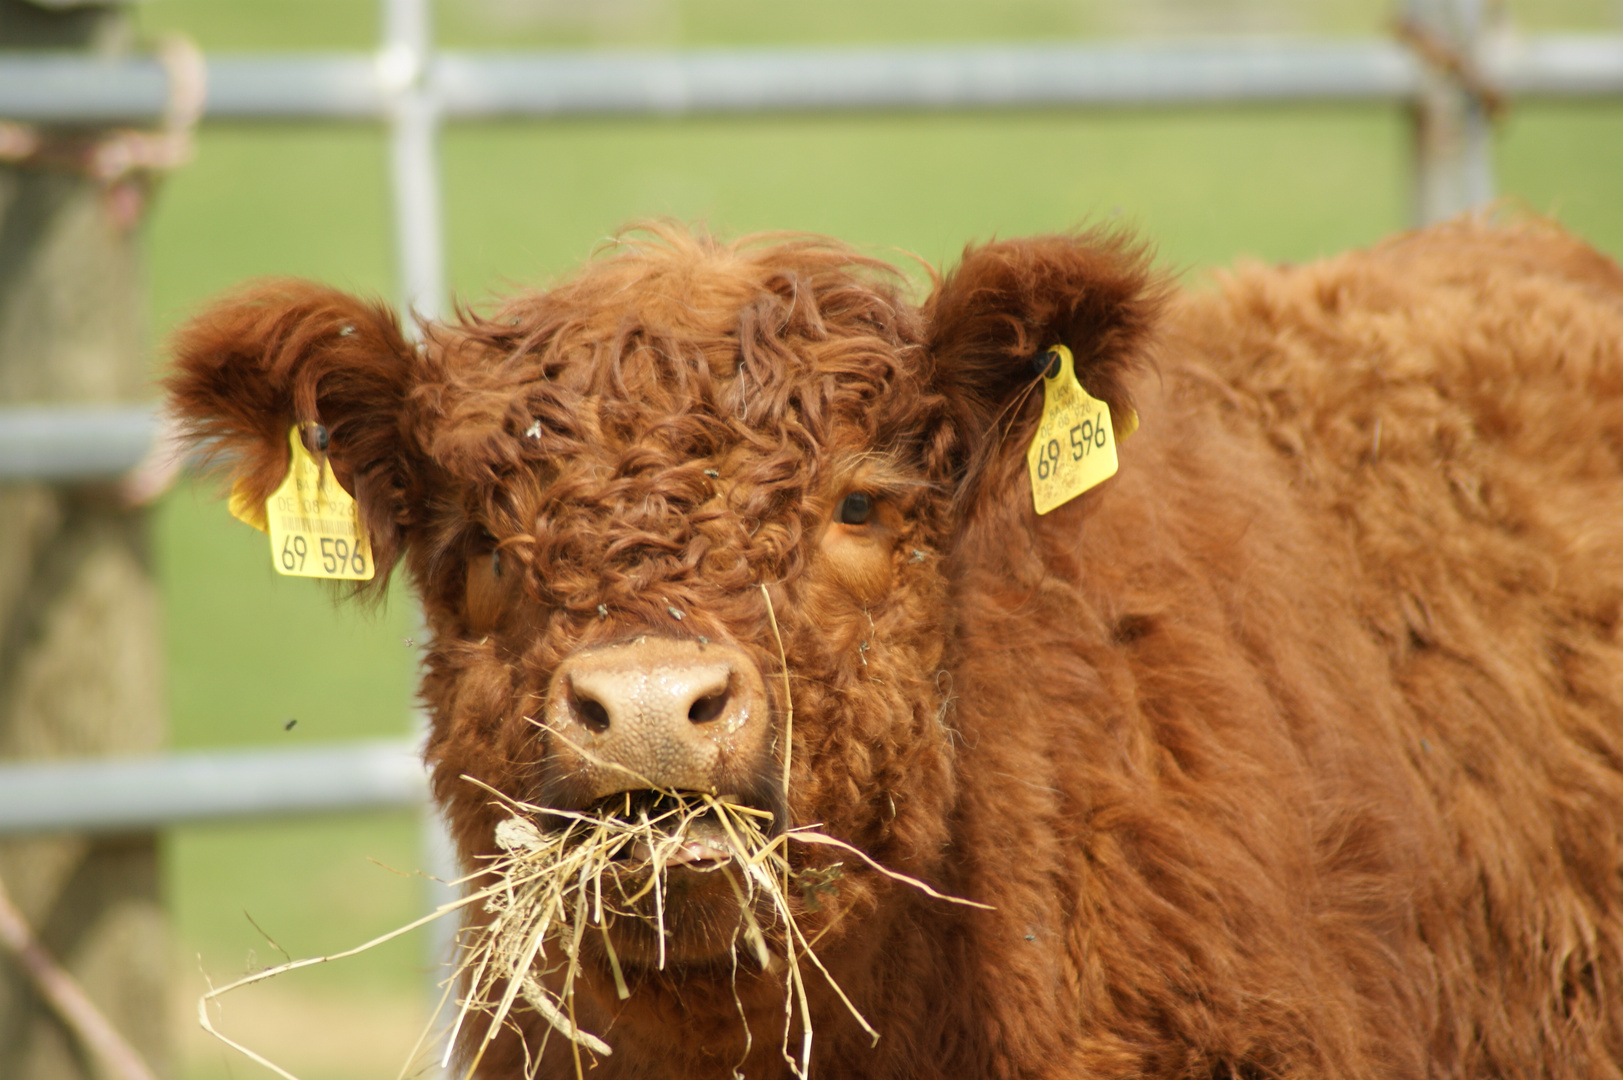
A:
[1293,750]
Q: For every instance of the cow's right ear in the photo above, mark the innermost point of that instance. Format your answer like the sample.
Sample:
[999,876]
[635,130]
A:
[1007,302]
[288,352]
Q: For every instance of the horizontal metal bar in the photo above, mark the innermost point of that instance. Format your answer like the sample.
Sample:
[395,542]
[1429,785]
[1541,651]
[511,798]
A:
[1558,66]
[66,443]
[335,87]
[129,794]
[70,88]
[77,89]
[921,78]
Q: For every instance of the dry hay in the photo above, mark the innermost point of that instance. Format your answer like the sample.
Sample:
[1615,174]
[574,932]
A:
[565,874]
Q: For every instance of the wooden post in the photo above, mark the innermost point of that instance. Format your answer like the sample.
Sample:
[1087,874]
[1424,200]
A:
[81,651]
[1452,125]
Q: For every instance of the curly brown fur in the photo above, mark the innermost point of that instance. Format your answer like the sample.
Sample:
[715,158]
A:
[1294,750]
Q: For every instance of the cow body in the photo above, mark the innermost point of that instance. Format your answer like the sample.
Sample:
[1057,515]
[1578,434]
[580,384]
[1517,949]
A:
[1295,749]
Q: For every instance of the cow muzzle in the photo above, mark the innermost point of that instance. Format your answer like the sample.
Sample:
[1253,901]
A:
[659,714]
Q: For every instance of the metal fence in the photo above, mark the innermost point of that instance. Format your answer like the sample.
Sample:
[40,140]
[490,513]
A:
[1447,67]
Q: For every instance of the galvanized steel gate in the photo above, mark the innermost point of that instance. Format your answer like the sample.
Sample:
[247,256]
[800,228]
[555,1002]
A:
[1448,67]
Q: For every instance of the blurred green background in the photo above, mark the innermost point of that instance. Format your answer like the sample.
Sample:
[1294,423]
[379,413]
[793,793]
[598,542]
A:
[250,651]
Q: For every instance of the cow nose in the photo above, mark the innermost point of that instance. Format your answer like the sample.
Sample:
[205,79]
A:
[657,713]
[603,698]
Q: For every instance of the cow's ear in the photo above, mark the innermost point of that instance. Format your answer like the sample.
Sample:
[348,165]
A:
[284,353]
[1006,302]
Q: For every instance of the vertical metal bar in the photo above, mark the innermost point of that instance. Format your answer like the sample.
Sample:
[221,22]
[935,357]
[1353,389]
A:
[413,156]
[1452,130]
[1476,151]
[403,64]
[438,853]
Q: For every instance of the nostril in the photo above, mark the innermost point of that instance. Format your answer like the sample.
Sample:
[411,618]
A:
[707,708]
[592,715]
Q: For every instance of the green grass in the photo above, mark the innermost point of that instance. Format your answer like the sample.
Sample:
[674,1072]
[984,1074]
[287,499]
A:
[261,199]
[1567,161]
[259,25]
[524,202]
[259,658]
[248,652]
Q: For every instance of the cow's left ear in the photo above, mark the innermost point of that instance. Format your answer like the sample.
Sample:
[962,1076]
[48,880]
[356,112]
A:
[1006,302]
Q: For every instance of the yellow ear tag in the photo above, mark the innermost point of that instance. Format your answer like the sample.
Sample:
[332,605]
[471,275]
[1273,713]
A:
[1129,424]
[245,509]
[1075,445]
[315,527]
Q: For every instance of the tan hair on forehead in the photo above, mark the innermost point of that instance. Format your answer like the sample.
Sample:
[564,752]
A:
[669,335]
[669,279]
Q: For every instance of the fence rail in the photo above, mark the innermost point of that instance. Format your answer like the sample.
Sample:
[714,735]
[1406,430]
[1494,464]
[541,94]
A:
[138,793]
[135,90]
[64,444]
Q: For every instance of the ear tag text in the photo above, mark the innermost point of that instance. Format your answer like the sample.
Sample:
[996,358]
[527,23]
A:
[1075,445]
[315,527]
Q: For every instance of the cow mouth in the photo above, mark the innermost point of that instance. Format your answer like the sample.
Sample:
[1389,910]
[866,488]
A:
[675,873]
[669,830]
[670,877]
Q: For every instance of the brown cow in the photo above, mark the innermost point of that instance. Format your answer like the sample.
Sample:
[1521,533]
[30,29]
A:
[1293,750]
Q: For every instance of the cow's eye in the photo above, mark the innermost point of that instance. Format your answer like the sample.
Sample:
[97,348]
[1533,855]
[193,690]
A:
[493,577]
[854,509]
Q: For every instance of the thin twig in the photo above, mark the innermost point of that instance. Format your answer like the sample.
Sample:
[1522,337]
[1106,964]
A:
[63,993]
[788,699]
[259,976]
[807,837]
[269,940]
[788,725]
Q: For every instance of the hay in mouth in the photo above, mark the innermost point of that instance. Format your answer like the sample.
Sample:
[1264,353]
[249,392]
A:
[652,820]
[552,887]
[592,869]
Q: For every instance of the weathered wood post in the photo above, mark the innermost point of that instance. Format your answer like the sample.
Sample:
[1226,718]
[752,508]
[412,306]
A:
[81,655]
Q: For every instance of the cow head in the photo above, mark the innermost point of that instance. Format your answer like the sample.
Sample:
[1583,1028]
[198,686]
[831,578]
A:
[654,508]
